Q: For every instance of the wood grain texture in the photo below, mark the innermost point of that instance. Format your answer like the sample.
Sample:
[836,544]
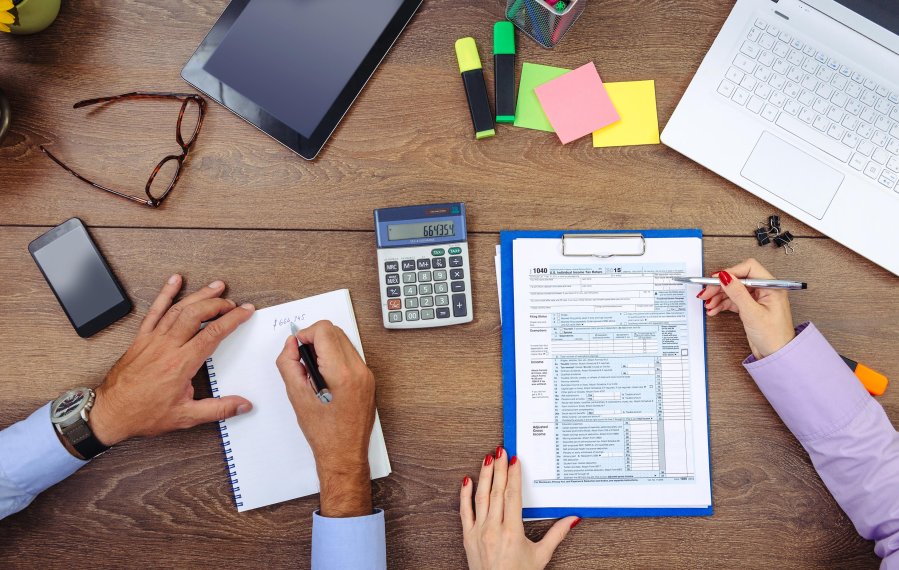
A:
[407,139]
[165,502]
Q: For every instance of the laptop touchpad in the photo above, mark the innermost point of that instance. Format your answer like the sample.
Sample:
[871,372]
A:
[792,174]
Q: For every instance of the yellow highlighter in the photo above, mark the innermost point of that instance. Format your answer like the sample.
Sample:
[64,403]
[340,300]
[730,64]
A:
[475,88]
[875,382]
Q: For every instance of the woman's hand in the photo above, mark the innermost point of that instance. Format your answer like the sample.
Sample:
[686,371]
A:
[765,313]
[492,531]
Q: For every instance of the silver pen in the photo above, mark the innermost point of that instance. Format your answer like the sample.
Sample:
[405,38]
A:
[757,283]
[308,355]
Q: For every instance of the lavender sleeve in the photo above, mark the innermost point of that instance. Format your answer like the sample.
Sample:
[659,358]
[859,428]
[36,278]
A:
[850,440]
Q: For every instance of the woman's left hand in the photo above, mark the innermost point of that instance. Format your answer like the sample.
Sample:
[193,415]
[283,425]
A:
[493,531]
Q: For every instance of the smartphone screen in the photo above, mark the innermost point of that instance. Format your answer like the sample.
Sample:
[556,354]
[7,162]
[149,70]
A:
[80,278]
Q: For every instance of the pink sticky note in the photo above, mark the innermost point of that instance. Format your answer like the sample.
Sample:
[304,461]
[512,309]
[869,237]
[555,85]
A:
[576,103]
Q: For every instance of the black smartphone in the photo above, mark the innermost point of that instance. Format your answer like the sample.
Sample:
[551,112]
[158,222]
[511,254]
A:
[80,278]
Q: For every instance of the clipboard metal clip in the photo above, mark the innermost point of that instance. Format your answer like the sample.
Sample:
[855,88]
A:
[603,246]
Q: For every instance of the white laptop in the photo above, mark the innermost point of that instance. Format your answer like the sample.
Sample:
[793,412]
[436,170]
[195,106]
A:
[797,101]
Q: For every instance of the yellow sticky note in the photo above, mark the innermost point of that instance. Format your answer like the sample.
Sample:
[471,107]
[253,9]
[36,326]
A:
[635,102]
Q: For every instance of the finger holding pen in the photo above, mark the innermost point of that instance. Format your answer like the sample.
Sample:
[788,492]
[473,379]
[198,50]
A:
[765,313]
[310,364]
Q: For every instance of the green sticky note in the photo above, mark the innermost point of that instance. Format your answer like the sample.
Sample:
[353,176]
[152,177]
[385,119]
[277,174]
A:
[529,113]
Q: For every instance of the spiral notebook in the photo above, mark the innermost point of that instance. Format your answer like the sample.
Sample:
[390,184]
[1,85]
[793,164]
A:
[267,457]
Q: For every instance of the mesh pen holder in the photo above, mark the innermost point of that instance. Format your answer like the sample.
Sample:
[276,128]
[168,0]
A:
[541,21]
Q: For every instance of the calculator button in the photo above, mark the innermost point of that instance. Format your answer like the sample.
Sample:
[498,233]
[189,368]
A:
[456,261]
[441,300]
[455,250]
[408,265]
[440,275]
[394,304]
[441,287]
[460,305]
[408,277]
[457,274]
[410,290]
[393,291]
[438,262]
[412,303]
[424,275]
[424,264]
[393,278]
[427,314]
[443,313]
[411,315]
[438,251]
[391,266]
[458,286]
[425,289]
[395,317]
[427,301]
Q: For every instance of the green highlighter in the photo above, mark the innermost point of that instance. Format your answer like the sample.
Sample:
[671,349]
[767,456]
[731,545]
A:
[475,88]
[504,71]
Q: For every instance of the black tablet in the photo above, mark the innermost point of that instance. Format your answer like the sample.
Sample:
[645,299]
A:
[293,68]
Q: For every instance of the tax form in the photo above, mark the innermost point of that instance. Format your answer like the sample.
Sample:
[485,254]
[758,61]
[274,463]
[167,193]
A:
[610,381]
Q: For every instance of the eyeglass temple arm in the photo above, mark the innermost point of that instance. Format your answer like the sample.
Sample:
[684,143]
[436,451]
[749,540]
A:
[151,202]
[135,95]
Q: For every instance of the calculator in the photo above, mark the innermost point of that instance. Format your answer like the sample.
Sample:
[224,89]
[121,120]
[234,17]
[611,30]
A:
[423,268]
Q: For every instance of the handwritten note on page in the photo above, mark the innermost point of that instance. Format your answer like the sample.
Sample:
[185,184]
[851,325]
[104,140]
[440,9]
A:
[270,460]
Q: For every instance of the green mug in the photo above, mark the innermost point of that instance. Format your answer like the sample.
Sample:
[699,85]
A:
[34,16]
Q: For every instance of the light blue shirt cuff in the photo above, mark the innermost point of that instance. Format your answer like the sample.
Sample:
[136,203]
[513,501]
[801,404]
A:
[32,459]
[349,543]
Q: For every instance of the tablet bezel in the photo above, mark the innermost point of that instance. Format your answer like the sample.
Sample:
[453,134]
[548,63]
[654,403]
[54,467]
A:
[195,74]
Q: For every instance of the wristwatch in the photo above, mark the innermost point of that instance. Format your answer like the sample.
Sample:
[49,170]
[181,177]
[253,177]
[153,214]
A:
[69,415]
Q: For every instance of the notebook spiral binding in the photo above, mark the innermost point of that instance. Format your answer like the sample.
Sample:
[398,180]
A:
[226,444]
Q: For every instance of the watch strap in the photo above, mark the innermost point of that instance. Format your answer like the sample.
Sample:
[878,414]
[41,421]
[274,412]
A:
[83,440]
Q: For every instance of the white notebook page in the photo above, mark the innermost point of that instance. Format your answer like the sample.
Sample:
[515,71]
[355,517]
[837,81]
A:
[272,461]
[610,377]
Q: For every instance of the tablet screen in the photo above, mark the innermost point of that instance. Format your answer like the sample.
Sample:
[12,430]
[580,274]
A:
[292,58]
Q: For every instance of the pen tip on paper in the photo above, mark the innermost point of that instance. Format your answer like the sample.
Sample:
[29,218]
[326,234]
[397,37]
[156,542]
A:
[293,329]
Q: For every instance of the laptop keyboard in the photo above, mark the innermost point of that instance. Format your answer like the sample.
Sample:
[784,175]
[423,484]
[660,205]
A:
[811,93]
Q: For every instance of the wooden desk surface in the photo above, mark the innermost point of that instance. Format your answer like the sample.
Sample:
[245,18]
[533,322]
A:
[277,228]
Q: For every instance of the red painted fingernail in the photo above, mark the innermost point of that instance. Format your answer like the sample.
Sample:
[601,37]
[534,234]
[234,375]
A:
[725,278]
[466,481]
[575,523]
[499,451]
[488,460]
[698,295]
[514,460]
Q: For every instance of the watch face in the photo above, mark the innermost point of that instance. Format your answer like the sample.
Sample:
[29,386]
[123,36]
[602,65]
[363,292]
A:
[70,402]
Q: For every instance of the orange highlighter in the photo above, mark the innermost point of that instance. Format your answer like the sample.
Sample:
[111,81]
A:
[875,382]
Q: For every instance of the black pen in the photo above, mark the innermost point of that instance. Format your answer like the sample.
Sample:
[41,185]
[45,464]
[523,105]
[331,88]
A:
[307,353]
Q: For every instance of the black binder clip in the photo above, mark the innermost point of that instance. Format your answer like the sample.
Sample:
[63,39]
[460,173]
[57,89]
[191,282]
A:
[767,231]
[783,240]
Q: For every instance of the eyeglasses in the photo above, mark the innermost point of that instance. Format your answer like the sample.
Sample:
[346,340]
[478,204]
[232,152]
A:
[154,190]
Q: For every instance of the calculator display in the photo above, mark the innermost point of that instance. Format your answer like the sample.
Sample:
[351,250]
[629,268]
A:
[429,229]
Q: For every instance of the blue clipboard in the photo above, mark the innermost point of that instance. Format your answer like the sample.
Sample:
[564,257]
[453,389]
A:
[509,386]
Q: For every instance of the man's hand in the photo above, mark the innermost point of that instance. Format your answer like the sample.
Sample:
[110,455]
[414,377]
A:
[149,391]
[339,432]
